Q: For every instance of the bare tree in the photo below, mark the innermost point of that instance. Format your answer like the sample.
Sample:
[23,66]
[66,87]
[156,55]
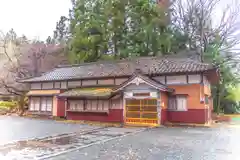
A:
[24,60]
[198,20]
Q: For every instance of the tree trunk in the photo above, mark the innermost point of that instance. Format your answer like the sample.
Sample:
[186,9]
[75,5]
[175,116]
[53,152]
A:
[218,92]
[21,104]
[115,46]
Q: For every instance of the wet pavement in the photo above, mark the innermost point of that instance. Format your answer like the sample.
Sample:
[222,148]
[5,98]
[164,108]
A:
[220,143]
[19,128]
[45,139]
[42,148]
[47,147]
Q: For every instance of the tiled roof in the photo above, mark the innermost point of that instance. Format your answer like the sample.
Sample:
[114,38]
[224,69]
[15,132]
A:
[148,65]
[87,92]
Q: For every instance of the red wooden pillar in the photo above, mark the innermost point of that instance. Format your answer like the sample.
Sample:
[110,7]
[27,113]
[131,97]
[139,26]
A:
[60,107]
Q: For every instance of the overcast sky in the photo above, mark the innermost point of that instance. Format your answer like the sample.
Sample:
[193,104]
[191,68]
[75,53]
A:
[37,18]
[34,18]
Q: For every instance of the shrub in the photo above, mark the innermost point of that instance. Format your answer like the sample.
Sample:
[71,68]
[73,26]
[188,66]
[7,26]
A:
[8,104]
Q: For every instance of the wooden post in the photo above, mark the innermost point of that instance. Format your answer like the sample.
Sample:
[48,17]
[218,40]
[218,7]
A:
[66,104]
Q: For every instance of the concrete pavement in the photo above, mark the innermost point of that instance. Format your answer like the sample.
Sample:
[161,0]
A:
[166,144]
[46,139]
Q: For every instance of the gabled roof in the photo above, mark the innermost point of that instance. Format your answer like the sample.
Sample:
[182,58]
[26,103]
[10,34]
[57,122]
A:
[138,78]
[148,65]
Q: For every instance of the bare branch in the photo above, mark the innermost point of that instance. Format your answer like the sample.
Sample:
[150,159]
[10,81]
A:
[195,19]
[26,60]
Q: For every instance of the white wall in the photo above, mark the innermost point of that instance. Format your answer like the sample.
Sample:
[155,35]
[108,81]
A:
[195,78]
[181,79]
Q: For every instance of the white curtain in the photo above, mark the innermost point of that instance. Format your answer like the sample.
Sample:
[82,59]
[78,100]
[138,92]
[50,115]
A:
[181,103]
[49,104]
[43,104]
[34,104]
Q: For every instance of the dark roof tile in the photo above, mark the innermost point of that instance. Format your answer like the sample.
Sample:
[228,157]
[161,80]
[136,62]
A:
[148,65]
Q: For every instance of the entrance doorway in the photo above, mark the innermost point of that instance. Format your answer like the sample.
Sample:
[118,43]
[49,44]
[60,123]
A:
[141,111]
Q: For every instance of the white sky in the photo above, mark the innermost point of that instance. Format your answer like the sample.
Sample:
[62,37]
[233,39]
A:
[33,18]
[37,18]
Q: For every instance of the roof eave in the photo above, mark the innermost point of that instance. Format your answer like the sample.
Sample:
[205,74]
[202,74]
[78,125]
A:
[85,97]
[31,80]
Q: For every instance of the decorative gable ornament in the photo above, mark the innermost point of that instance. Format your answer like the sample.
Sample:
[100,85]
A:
[137,81]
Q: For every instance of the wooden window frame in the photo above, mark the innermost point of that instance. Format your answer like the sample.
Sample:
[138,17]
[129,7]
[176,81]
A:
[38,88]
[72,84]
[46,103]
[143,94]
[54,85]
[88,105]
[40,104]
[176,77]
[190,80]
[61,85]
[47,87]
[176,107]
[39,107]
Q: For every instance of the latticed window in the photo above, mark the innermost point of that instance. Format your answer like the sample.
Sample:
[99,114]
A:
[76,105]
[49,104]
[172,104]
[34,104]
[46,104]
[43,104]
[89,105]
[178,103]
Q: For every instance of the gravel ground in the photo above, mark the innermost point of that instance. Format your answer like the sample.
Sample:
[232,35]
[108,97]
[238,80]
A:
[166,144]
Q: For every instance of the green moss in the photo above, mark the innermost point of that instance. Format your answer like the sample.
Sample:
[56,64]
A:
[89,92]
[92,89]
[7,104]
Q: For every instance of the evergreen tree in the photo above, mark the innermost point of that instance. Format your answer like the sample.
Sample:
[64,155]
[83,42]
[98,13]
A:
[61,32]
[117,29]
[49,40]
